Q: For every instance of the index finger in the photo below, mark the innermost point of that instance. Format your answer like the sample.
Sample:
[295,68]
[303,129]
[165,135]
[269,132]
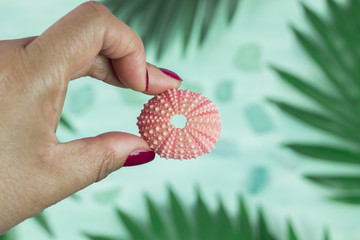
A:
[73,41]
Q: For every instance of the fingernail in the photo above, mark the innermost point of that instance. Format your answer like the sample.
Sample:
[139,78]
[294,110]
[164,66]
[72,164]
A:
[170,74]
[138,157]
[147,81]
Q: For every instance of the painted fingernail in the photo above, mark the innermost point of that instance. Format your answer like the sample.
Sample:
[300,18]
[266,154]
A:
[139,157]
[147,81]
[170,74]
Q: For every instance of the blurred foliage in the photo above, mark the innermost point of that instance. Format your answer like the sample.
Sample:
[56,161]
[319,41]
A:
[157,21]
[43,222]
[335,50]
[65,122]
[177,223]
[9,235]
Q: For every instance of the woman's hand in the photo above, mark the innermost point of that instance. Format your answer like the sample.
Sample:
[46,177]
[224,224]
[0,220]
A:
[36,170]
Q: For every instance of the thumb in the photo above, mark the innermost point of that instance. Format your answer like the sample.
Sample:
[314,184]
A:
[89,160]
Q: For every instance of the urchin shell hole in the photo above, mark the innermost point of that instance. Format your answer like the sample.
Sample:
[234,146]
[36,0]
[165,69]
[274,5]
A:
[179,121]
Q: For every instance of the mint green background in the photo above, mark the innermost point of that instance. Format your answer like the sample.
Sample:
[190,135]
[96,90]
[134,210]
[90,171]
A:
[232,69]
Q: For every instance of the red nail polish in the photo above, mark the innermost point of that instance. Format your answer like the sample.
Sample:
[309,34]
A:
[170,74]
[147,81]
[138,157]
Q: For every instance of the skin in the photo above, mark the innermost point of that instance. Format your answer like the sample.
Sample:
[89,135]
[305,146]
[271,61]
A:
[36,170]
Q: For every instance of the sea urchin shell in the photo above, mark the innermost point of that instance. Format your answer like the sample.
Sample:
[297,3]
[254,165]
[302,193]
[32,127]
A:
[200,133]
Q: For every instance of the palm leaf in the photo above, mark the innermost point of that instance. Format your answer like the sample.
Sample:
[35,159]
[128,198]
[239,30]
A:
[42,220]
[330,103]
[9,235]
[353,12]
[209,15]
[158,227]
[207,224]
[326,235]
[148,19]
[325,63]
[350,198]
[153,34]
[161,19]
[291,232]
[134,229]
[320,121]
[263,231]
[224,225]
[354,8]
[341,23]
[204,221]
[326,35]
[189,21]
[64,121]
[245,229]
[336,53]
[99,237]
[133,8]
[233,5]
[333,154]
[181,223]
[115,6]
[340,182]
[166,31]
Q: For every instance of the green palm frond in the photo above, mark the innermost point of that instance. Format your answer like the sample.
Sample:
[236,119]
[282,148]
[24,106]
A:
[95,237]
[335,51]
[350,198]
[341,182]
[42,220]
[198,222]
[327,153]
[244,230]
[179,218]
[223,221]
[291,232]
[348,185]
[157,223]
[159,21]
[326,234]
[66,123]
[262,228]
[9,235]
[135,229]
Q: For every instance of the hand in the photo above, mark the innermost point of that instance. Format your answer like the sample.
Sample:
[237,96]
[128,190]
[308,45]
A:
[36,170]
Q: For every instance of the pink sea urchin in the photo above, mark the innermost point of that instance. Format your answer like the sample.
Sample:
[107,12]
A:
[200,133]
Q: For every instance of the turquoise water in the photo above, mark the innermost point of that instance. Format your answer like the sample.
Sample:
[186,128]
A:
[231,69]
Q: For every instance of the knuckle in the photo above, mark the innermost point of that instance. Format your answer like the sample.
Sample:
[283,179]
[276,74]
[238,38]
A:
[98,68]
[92,162]
[107,161]
[136,46]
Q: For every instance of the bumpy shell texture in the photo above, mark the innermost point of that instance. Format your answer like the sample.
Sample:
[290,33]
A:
[200,133]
